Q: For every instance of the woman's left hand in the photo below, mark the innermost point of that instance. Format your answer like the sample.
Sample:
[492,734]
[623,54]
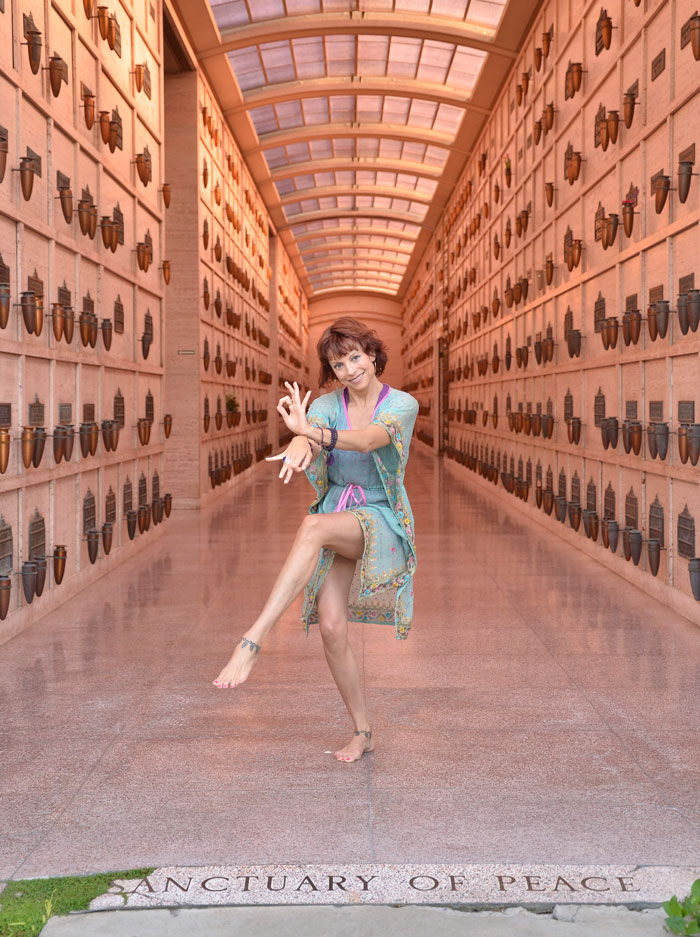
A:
[295,458]
[292,409]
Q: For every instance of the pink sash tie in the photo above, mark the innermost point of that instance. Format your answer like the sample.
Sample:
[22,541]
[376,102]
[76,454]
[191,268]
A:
[351,496]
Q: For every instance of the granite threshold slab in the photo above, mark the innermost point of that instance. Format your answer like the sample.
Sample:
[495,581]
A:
[467,885]
[344,921]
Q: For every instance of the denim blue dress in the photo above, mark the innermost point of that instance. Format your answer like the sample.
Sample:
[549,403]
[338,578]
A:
[371,486]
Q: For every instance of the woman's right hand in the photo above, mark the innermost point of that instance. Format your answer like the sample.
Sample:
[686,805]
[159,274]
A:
[295,458]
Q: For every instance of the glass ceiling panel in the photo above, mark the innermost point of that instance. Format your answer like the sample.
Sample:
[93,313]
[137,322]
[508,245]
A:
[373,186]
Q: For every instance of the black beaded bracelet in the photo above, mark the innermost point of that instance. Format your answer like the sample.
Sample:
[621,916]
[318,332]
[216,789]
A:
[334,439]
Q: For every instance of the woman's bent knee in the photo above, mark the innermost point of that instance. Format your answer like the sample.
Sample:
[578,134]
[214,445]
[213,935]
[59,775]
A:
[334,631]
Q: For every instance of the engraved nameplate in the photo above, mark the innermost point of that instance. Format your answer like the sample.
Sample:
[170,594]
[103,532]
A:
[37,536]
[576,489]
[119,408]
[110,507]
[149,406]
[656,521]
[658,64]
[568,321]
[686,283]
[599,408]
[568,406]
[127,496]
[36,413]
[656,411]
[562,484]
[6,547]
[609,502]
[656,293]
[686,534]
[631,510]
[88,413]
[118,316]
[686,411]
[63,296]
[599,222]
[88,304]
[155,484]
[5,414]
[89,512]
[65,414]
[685,32]
[4,268]
[687,155]
[631,410]
[35,285]
[631,303]
[591,496]
[599,314]
[143,490]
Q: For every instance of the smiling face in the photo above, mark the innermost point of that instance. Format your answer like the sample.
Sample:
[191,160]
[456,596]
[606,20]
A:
[355,369]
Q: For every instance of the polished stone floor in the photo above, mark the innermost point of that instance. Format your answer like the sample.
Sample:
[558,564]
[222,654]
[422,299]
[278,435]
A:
[542,710]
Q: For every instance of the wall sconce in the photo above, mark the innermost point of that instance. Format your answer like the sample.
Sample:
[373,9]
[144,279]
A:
[4,305]
[4,146]
[27,171]
[107,226]
[34,46]
[549,193]
[628,104]
[695,36]
[102,18]
[138,73]
[685,171]
[143,166]
[65,196]
[104,126]
[88,106]
[606,28]
[165,267]
[165,189]
[58,73]
[661,189]
[538,58]
[112,31]
[547,42]
[87,8]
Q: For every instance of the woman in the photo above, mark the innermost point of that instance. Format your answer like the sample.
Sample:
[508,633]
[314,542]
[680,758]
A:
[353,445]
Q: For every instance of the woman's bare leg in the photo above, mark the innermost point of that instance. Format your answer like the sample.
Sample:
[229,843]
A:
[339,532]
[332,604]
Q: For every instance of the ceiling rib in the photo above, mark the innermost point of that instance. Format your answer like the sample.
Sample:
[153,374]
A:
[339,131]
[345,85]
[423,26]
[356,164]
[323,213]
[333,191]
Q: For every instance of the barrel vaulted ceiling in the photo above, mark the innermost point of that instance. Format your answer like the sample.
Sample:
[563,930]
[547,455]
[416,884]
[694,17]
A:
[356,117]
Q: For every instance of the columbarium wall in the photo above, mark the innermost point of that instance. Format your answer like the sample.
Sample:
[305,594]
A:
[237,317]
[82,285]
[558,312]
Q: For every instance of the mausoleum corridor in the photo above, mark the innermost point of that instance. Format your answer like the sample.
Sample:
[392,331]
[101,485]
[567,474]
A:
[542,708]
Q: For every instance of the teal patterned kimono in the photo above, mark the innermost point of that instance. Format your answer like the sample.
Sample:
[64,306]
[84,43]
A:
[371,486]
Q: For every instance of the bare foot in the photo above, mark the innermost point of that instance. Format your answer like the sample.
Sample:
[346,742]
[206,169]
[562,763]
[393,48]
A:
[240,665]
[356,747]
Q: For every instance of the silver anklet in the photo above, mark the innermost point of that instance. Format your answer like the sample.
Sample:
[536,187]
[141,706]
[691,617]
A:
[366,732]
[254,648]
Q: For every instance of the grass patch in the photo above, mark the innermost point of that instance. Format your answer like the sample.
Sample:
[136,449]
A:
[26,905]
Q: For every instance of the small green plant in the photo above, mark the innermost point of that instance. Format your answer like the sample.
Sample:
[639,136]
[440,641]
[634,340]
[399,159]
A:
[231,403]
[684,916]
[26,905]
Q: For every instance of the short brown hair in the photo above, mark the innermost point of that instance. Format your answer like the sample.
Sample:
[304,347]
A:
[340,338]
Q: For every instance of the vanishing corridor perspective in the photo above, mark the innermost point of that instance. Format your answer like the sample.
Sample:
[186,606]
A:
[507,193]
